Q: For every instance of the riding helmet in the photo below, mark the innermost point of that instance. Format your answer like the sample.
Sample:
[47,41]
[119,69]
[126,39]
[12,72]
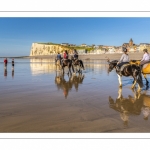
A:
[124,49]
[144,50]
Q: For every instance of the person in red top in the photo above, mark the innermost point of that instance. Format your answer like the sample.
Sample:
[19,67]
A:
[5,62]
[65,54]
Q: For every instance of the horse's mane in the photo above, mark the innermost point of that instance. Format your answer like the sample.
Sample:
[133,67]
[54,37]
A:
[114,61]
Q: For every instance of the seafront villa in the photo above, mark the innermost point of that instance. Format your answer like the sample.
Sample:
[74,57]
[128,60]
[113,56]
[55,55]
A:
[53,48]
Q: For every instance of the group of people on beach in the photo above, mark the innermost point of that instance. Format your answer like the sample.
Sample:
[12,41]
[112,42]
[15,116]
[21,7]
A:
[66,55]
[125,58]
[6,61]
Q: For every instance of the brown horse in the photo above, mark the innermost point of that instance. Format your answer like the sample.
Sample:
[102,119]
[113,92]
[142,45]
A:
[64,63]
[78,63]
[145,69]
[58,64]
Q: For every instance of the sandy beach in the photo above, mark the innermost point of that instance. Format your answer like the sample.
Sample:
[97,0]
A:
[35,98]
[111,56]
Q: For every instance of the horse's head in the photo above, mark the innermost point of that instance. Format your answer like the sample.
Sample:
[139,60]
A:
[112,65]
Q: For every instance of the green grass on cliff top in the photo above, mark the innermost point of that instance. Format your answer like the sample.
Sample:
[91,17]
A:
[69,47]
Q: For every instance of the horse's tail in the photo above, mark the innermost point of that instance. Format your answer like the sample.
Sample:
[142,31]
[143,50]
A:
[82,64]
[139,78]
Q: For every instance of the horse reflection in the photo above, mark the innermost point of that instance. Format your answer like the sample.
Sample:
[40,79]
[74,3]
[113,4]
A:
[131,105]
[66,86]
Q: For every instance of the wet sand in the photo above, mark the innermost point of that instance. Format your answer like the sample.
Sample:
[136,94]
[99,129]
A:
[35,99]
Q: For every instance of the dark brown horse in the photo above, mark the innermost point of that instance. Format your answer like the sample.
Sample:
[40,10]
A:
[128,70]
[67,63]
[79,63]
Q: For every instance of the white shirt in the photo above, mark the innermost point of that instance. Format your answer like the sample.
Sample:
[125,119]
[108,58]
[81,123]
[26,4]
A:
[124,58]
[146,57]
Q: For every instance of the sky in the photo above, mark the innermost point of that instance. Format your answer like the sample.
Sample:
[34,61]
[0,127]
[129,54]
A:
[18,34]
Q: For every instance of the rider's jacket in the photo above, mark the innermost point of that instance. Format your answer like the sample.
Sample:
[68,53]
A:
[65,56]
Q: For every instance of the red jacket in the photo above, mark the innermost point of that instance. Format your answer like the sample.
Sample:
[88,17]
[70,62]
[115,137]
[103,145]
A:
[65,56]
[5,61]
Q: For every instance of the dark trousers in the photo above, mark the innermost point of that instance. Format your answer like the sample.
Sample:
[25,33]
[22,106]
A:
[122,63]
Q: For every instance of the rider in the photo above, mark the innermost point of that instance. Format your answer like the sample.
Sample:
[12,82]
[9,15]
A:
[75,54]
[123,60]
[145,59]
[65,56]
[58,57]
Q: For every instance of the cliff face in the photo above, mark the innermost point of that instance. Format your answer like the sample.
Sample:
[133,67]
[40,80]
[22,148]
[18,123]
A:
[44,49]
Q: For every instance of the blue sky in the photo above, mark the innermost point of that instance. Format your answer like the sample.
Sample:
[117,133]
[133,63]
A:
[17,34]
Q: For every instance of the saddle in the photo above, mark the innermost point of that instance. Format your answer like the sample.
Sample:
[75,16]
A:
[123,66]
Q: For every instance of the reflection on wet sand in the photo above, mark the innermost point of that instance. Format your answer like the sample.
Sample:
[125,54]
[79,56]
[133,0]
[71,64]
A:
[66,86]
[12,73]
[136,105]
[5,72]
[40,66]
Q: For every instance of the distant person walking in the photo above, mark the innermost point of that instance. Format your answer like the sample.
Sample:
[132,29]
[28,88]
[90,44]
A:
[5,63]
[13,63]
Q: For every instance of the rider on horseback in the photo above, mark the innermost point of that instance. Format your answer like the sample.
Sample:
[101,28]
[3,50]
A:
[65,56]
[145,59]
[58,57]
[123,60]
[75,55]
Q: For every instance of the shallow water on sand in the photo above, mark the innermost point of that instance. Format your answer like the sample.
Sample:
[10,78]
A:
[36,98]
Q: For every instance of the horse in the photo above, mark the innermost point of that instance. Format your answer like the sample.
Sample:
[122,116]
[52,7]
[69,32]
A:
[78,63]
[145,69]
[127,70]
[64,63]
[58,64]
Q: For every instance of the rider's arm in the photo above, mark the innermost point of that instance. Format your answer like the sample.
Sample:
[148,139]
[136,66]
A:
[143,57]
[121,59]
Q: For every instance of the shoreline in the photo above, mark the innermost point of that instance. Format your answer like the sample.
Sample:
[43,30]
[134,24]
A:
[111,56]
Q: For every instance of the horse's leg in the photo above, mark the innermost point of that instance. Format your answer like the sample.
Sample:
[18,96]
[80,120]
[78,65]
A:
[145,79]
[63,69]
[72,67]
[119,78]
[119,92]
[133,85]
[69,67]
[82,65]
